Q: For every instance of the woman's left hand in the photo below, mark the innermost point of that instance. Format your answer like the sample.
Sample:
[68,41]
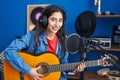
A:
[80,67]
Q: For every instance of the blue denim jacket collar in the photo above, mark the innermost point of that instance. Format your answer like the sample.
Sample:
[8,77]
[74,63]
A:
[43,38]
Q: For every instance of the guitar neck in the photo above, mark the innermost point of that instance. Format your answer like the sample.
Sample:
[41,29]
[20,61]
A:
[71,66]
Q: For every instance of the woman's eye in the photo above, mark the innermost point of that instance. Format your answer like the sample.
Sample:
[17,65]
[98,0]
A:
[61,20]
[53,19]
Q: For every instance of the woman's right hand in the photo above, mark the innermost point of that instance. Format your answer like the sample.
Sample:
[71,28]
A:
[34,75]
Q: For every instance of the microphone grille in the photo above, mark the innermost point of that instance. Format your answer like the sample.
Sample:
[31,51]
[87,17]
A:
[72,43]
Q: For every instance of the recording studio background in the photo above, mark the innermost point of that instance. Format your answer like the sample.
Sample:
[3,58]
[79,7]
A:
[13,21]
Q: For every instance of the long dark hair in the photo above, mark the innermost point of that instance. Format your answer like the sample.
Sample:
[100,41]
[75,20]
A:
[39,29]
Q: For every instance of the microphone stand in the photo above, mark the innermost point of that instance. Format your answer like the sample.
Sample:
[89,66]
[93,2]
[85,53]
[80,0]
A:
[82,53]
[83,60]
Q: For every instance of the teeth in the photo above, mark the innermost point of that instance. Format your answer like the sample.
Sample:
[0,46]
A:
[55,28]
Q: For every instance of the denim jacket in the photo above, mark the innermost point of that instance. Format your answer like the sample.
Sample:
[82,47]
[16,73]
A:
[26,42]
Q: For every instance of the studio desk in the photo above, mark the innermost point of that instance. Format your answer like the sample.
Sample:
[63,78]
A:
[87,76]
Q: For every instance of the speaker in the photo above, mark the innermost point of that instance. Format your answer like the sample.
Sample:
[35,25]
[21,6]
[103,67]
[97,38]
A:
[43,21]
[116,34]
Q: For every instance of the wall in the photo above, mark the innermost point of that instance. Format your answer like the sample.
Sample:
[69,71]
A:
[13,16]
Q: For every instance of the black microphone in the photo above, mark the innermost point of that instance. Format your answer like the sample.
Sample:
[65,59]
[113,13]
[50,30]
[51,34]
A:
[76,44]
[73,43]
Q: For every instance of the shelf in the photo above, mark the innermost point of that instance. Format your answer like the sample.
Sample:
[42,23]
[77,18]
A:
[108,16]
[88,75]
[113,48]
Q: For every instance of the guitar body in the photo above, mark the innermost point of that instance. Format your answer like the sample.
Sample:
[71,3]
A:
[11,73]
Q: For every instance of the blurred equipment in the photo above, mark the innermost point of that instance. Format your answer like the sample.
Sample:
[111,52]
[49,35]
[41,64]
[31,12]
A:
[116,35]
[103,72]
[104,42]
[114,75]
[111,74]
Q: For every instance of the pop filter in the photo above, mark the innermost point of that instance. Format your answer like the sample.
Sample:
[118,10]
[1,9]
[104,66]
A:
[73,43]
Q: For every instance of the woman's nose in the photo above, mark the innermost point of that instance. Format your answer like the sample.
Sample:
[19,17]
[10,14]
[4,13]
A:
[57,23]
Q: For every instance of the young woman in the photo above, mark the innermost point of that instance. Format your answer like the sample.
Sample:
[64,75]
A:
[48,36]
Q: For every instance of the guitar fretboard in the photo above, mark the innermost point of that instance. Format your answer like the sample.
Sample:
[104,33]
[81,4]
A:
[71,66]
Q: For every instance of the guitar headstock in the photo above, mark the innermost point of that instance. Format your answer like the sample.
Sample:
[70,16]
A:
[108,60]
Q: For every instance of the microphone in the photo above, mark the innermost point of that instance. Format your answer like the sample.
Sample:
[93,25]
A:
[75,43]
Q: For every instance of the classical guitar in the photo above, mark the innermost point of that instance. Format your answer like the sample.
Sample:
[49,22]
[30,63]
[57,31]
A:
[50,66]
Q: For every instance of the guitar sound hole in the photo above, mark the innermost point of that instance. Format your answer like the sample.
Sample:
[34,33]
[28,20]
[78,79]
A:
[44,69]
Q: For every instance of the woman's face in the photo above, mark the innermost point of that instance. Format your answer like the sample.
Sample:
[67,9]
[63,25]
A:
[55,22]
